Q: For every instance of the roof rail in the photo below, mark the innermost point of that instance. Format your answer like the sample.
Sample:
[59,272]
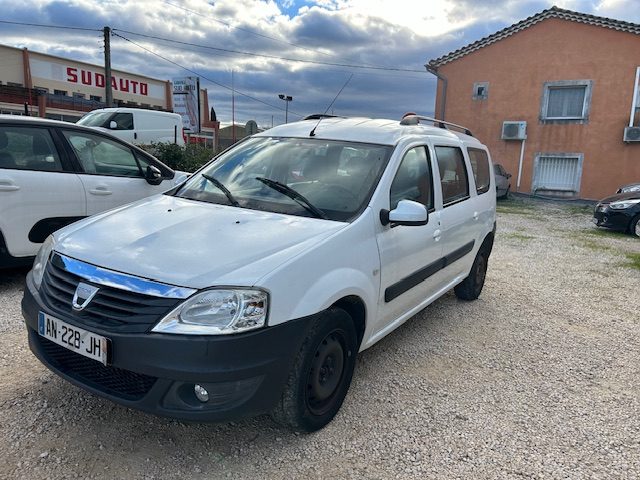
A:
[318,116]
[414,119]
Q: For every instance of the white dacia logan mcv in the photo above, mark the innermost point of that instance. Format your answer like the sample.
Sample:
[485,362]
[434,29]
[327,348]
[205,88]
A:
[251,287]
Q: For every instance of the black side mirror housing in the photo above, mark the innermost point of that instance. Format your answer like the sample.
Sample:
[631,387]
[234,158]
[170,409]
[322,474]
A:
[153,175]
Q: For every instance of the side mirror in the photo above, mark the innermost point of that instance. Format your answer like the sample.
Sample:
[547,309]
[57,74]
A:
[408,213]
[153,175]
[113,125]
[508,175]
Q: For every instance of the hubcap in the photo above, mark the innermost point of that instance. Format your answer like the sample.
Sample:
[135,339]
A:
[638,229]
[326,373]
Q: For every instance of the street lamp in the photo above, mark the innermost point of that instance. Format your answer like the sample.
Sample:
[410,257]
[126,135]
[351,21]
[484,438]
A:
[287,99]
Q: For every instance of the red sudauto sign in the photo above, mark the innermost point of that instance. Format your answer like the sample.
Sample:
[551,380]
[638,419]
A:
[94,79]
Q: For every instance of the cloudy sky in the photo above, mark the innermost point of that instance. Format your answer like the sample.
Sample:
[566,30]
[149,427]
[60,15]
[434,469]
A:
[309,49]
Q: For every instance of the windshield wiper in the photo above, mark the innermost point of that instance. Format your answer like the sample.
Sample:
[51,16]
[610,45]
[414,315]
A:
[224,189]
[292,194]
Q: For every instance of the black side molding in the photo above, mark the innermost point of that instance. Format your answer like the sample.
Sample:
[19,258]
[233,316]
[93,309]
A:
[419,276]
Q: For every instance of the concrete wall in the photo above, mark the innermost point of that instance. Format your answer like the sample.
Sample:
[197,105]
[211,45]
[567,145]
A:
[517,68]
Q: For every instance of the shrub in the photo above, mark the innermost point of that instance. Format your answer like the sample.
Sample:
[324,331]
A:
[187,158]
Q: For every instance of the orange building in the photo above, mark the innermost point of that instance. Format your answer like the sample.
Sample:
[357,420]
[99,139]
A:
[556,99]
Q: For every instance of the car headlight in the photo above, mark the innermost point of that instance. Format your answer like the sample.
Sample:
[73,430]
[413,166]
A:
[622,204]
[40,263]
[217,312]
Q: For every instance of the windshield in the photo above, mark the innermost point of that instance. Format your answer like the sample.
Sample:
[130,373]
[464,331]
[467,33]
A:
[305,177]
[96,119]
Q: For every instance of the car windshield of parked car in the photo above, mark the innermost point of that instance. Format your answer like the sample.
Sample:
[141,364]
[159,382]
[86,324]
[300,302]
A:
[305,177]
[96,119]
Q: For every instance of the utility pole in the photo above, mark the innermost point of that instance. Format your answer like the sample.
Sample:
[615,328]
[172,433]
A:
[108,93]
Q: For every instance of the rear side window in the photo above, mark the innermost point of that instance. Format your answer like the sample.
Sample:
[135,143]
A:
[453,174]
[480,166]
[413,180]
[24,148]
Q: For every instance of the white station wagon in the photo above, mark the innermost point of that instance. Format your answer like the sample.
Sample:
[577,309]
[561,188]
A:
[251,287]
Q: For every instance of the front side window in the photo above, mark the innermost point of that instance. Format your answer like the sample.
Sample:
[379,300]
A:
[413,180]
[25,148]
[103,156]
[480,166]
[453,175]
[566,101]
[297,176]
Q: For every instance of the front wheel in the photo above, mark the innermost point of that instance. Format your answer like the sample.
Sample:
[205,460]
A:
[471,286]
[321,374]
[634,227]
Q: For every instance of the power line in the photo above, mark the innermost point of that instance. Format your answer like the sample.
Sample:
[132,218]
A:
[202,76]
[273,57]
[63,27]
[247,30]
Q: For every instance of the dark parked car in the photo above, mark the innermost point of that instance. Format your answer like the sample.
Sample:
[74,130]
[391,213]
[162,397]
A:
[632,187]
[503,184]
[619,212]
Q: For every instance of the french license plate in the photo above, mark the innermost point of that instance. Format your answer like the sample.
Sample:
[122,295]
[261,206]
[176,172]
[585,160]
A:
[73,338]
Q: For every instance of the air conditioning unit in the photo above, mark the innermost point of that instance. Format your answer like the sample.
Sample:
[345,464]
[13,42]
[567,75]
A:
[514,130]
[631,134]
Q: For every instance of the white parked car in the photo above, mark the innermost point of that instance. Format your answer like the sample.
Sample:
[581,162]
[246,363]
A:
[252,287]
[54,173]
[137,125]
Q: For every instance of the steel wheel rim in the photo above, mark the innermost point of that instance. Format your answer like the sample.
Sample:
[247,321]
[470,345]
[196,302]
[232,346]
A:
[638,228]
[481,271]
[326,373]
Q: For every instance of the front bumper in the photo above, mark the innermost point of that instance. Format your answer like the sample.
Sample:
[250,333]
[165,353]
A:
[244,373]
[603,216]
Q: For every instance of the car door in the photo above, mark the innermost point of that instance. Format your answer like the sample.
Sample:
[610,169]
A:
[459,218]
[112,172]
[39,192]
[409,255]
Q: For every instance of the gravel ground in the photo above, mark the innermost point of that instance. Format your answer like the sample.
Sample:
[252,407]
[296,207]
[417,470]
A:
[536,379]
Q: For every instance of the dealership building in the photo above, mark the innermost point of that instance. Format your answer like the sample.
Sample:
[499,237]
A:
[59,88]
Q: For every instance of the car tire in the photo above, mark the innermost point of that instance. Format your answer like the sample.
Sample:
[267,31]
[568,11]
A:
[321,373]
[634,226]
[471,286]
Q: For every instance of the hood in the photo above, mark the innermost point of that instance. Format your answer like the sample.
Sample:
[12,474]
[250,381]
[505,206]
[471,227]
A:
[620,196]
[192,244]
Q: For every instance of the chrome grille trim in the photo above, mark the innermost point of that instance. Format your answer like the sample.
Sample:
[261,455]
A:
[122,281]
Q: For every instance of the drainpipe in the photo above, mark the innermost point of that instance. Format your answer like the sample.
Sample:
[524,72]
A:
[443,79]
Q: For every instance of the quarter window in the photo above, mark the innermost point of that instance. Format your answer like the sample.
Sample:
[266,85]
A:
[28,149]
[413,180]
[103,156]
[124,121]
[480,166]
[453,174]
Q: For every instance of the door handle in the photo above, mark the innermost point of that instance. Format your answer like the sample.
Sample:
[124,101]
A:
[436,234]
[8,186]
[100,191]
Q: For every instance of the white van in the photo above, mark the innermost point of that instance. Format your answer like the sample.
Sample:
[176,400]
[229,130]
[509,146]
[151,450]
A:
[137,125]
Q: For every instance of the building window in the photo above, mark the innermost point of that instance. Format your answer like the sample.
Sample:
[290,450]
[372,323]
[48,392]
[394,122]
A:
[14,84]
[60,92]
[481,90]
[95,98]
[78,95]
[566,101]
[41,90]
[558,173]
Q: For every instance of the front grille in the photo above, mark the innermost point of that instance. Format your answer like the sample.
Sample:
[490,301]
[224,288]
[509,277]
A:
[115,381]
[112,309]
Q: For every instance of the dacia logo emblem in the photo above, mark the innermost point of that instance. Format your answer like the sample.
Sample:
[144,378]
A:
[83,295]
